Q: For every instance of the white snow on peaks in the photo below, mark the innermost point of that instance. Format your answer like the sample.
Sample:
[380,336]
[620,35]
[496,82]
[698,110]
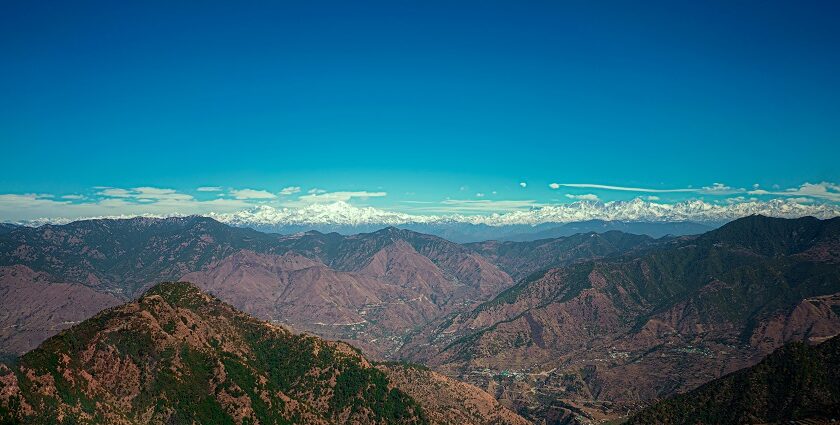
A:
[339,213]
[342,213]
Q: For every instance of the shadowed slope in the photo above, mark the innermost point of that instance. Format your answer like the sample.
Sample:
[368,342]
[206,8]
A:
[795,382]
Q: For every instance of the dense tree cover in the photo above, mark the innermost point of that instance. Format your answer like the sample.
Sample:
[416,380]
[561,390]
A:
[795,382]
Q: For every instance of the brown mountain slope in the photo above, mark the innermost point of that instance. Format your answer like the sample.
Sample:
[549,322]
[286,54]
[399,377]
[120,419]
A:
[177,355]
[520,259]
[122,257]
[462,267]
[398,278]
[359,307]
[33,308]
[610,334]
[448,401]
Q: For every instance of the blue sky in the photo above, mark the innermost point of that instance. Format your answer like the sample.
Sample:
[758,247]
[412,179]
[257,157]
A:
[420,101]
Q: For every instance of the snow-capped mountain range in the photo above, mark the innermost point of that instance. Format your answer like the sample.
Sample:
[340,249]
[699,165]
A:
[687,217]
[637,210]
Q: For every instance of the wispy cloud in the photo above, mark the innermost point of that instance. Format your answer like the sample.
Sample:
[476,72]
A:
[471,206]
[159,194]
[819,198]
[714,189]
[129,202]
[619,188]
[523,184]
[291,190]
[823,190]
[115,193]
[329,197]
[584,197]
[209,189]
[251,194]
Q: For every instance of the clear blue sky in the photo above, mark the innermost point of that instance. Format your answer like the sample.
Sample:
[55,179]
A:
[423,100]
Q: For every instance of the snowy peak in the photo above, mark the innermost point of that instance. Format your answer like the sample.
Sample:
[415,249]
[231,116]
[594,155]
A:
[636,210]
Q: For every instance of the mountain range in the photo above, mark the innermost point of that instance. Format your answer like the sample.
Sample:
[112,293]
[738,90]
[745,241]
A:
[607,335]
[372,289]
[572,329]
[541,221]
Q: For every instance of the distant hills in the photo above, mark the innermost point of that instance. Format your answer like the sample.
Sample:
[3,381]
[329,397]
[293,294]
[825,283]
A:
[797,382]
[177,355]
[652,229]
[372,289]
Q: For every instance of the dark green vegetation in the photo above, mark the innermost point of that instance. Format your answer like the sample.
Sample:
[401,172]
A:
[7,227]
[656,230]
[180,356]
[796,382]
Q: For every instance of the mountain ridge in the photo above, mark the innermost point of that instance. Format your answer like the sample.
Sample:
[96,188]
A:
[618,331]
[177,355]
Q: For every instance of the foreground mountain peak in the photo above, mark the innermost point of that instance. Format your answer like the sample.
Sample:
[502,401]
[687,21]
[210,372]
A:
[178,355]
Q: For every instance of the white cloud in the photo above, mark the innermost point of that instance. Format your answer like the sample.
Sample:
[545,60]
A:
[160,194]
[714,189]
[251,194]
[819,199]
[479,206]
[823,190]
[584,197]
[209,189]
[329,197]
[316,191]
[291,190]
[144,192]
[22,207]
[720,189]
[115,193]
[620,188]
[523,184]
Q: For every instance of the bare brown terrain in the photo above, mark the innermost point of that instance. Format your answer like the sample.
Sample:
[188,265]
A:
[447,400]
[33,307]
